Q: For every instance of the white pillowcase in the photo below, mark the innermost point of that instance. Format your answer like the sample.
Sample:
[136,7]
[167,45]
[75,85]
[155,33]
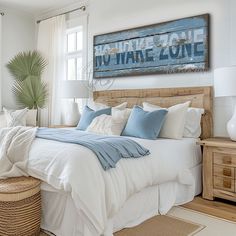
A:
[29,120]
[98,106]
[121,114]
[31,117]
[173,126]
[106,125]
[15,118]
[3,122]
[192,127]
[110,124]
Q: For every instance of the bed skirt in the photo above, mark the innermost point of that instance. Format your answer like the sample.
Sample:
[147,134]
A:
[61,217]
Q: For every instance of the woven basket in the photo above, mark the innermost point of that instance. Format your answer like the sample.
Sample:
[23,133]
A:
[20,207]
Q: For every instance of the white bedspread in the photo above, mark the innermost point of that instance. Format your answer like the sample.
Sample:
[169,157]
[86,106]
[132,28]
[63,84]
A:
[15,144]
[100,194]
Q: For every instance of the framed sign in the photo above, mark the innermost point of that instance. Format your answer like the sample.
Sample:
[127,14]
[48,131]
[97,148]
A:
[169,47]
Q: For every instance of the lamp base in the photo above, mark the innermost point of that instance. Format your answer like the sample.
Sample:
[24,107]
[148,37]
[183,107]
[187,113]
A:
[72,115]
[231,126]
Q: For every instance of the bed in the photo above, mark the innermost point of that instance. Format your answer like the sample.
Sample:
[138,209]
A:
[60,213]
[80,198]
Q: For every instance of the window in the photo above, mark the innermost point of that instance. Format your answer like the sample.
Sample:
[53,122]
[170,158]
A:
[76,48]
[76,51]
[74,55]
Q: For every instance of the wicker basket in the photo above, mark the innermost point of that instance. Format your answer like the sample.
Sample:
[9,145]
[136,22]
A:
[20,207]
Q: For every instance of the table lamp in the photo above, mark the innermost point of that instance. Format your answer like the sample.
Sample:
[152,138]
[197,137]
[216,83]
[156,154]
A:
[225,86]
[72,89]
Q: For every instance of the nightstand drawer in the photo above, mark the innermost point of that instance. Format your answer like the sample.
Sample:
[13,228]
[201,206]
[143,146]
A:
[224,171]
[224,159]
[224,183]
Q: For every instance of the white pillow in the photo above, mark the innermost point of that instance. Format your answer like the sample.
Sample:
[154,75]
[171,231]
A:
[15,118]
[31,117]
[173,126]
[107,125]
[98,106]
[3,122]
[121,114]
[192,127]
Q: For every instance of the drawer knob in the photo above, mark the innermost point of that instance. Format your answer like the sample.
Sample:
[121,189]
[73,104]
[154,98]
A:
[227,160]
[226,183]
[227,172]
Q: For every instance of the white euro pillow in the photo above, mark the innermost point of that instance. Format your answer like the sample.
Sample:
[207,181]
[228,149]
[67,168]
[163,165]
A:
[28,120]
[15,118]
[31,117]
[98,106]
[173,126]
[3,122]
[192,127]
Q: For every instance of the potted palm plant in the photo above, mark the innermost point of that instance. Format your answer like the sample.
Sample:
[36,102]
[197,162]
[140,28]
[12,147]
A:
[27,68]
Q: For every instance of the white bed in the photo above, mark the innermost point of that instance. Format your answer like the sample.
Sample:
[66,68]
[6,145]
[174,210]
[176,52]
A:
[177,182]
[177,169]
[79,198]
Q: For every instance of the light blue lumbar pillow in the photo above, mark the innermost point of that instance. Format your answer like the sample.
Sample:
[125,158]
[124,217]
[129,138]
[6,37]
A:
[144,124]
[89,114]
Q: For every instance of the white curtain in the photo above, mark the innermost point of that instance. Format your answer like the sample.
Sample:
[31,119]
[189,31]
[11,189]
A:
[0,63]
[51,43]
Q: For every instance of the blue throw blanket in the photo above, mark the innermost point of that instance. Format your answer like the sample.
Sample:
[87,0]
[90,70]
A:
[108,149]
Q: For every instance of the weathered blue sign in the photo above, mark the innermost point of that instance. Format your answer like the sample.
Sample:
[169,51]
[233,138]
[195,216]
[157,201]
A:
[175,46]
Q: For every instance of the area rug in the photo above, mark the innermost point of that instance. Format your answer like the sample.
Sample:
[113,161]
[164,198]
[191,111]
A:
[159,226]
[181,222]
[162,226]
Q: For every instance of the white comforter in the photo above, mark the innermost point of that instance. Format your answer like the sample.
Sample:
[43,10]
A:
[100,194]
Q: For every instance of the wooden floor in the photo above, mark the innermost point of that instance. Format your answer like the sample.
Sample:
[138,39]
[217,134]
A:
[219,208]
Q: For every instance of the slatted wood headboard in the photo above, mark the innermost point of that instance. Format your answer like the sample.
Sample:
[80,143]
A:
[200,97]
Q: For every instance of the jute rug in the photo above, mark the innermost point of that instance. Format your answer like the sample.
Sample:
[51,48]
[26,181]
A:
[160,226]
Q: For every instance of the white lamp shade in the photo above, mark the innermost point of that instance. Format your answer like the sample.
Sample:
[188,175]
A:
[74,89]
[225,81]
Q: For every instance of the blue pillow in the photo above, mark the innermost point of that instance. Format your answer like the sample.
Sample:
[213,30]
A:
[88,115]
[144,124]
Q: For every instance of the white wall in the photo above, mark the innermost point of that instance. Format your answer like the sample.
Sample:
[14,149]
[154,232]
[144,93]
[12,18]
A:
[18,34]
[112,15]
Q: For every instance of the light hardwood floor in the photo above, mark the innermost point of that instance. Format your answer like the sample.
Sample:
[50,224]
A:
[219,208]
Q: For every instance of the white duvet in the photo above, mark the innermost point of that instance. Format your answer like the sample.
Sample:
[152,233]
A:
[100,194]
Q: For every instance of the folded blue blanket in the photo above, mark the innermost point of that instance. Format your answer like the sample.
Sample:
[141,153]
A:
[108,149]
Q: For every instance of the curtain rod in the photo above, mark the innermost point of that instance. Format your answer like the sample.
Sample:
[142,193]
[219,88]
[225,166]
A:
[83,8]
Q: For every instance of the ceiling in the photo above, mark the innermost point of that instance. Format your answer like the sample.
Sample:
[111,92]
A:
[36,6]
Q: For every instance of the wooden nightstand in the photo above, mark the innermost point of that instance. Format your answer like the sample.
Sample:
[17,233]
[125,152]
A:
[219,168]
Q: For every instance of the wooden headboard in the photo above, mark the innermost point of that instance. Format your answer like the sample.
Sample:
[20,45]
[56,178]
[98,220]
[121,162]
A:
[200,97]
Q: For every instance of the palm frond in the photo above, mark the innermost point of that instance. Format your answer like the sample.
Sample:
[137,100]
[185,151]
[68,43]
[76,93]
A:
[31,92]
[25,64]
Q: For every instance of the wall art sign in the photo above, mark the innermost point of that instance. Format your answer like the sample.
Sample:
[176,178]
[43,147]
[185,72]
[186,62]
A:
[169,47]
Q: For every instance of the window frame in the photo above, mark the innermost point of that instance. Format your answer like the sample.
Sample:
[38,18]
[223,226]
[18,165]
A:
[72,27]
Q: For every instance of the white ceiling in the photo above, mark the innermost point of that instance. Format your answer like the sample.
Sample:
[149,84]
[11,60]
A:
[36,6]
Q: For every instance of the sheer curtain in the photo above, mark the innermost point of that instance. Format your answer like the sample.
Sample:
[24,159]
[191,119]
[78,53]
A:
[0,63]
[51,43]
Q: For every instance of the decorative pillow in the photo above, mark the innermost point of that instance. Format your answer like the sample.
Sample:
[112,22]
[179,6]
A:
[31,117]
[192,127]
[88,115]
[121,114]
[15,118]
[98,106]
[144,124]
[175,119]
[107,125]
[3,122]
